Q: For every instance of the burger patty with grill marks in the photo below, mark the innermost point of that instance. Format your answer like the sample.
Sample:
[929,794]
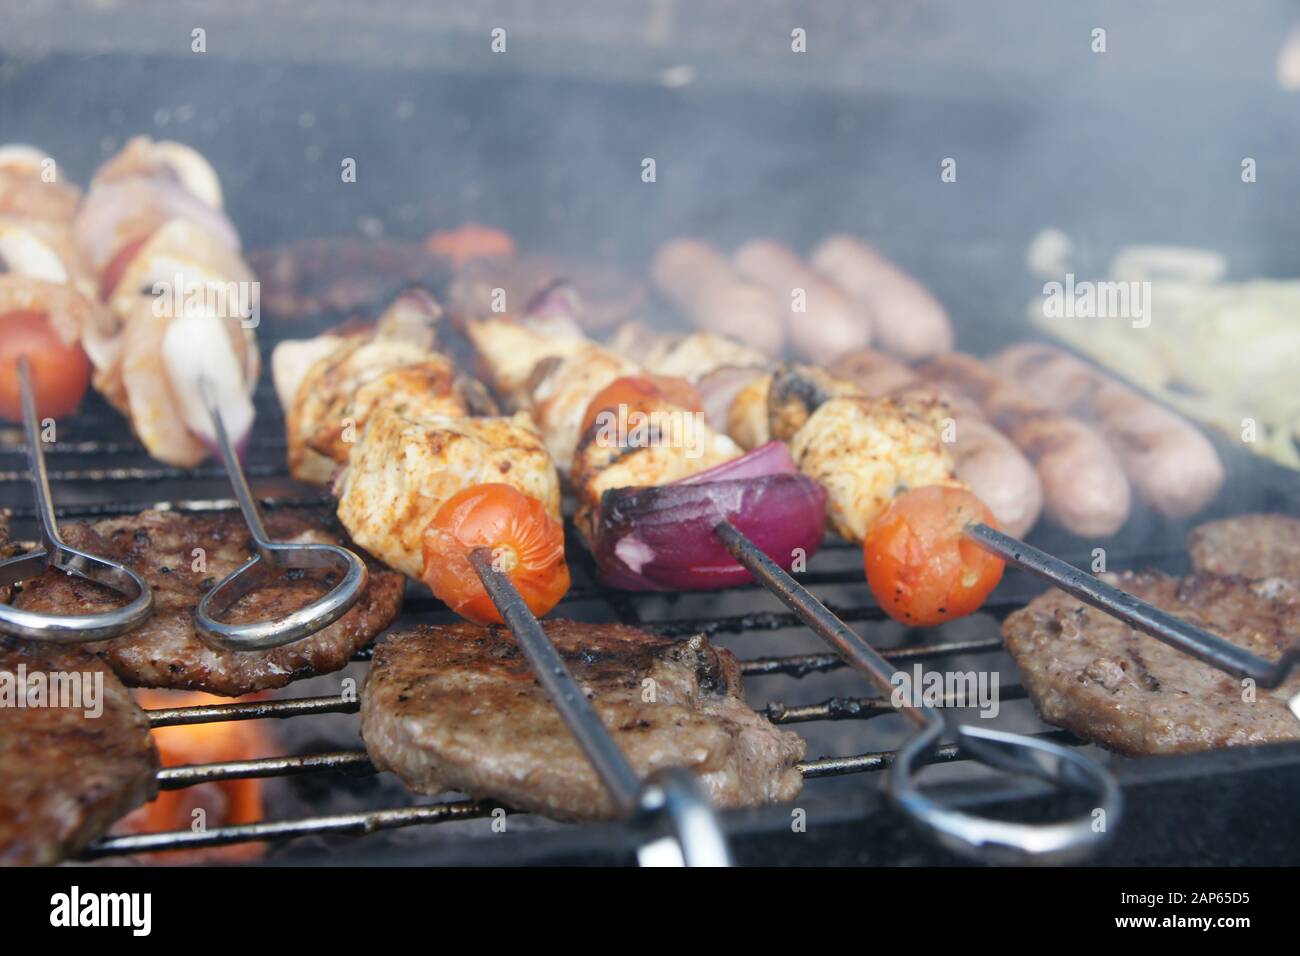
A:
[66,772]
[1103,680]
[183,557]
[456,707]
[1254,546]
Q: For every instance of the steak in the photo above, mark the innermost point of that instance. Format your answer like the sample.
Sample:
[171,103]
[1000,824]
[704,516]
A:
[167,651]
[67,774]
[1254,546]
[456,707]
[1101,679]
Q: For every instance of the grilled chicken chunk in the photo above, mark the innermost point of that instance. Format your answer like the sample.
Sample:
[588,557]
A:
[1253,546]
[862,450]
[456,707]
[510,349]
[183,557]
[331,385]
[1103,680]
[403,469]
[566,375]
[68,772]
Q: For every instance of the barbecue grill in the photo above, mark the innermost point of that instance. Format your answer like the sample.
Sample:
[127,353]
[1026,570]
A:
[504,143]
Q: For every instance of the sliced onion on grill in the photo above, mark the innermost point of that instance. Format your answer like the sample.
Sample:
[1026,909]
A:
[661,538]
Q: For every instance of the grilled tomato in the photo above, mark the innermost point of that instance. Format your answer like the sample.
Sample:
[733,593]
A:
[59,372]
[921,568]
[527,546]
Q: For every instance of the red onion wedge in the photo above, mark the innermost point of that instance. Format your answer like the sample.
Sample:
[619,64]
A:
[661,538]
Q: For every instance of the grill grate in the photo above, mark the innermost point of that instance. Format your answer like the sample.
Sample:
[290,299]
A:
[80,463]
[100,471]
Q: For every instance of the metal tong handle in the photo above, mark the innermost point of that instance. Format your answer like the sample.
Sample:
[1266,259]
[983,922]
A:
[303,622]
[671,793]
[985,837]
[65,628]
[1162,625]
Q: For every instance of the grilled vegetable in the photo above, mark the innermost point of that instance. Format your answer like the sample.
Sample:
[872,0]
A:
[59,372]
[527,546]
[661,538]
[921,568]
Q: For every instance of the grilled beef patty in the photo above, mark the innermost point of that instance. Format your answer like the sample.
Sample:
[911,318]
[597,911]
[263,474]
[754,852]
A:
[1103,680]
[456,707]
[66,776]
[1254,546]
[167,650]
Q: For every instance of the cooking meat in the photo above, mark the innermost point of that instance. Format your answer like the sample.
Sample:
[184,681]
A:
[692,356]
[985,458]
[7,550]
[335,382]
[25,191]
[68,772]
[906,319]
[829,323]
[718,366]
[509,349]
[1171,465]
[1084,487]
[183,557]
[456,707]
[702,284]
[1101,679]
[403,469]
[864,451]
[167,264]
[1253,546]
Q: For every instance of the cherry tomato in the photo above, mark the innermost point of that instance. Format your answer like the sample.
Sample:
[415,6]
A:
[527,545]
[920,566]
[59,373]
[642,393]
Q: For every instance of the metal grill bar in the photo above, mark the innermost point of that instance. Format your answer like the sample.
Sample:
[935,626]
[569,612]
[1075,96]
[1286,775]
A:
[861,708]
[177,778]
[375,820]
[370,821]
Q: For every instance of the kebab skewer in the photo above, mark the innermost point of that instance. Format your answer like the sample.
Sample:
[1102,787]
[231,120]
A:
[651,476]
[934,552]
[1009,752]
[493,552]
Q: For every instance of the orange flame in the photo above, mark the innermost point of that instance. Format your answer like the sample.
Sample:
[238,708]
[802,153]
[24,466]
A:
[221,802]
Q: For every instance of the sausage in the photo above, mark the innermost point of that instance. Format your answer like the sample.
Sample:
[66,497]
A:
[830,323]
[1172,466]
[986,459]
[1084,487]
[702,283]
[907,320]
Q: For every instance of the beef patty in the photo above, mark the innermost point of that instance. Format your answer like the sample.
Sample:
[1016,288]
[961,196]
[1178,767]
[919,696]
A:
[1105,681]
[167,650]
[1254,546]
[456,707]
[65,774]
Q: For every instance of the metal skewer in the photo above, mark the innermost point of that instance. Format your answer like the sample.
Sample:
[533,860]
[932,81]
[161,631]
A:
[673,794]
[1148,618]
[271,554]
[54,553]
[985,837]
